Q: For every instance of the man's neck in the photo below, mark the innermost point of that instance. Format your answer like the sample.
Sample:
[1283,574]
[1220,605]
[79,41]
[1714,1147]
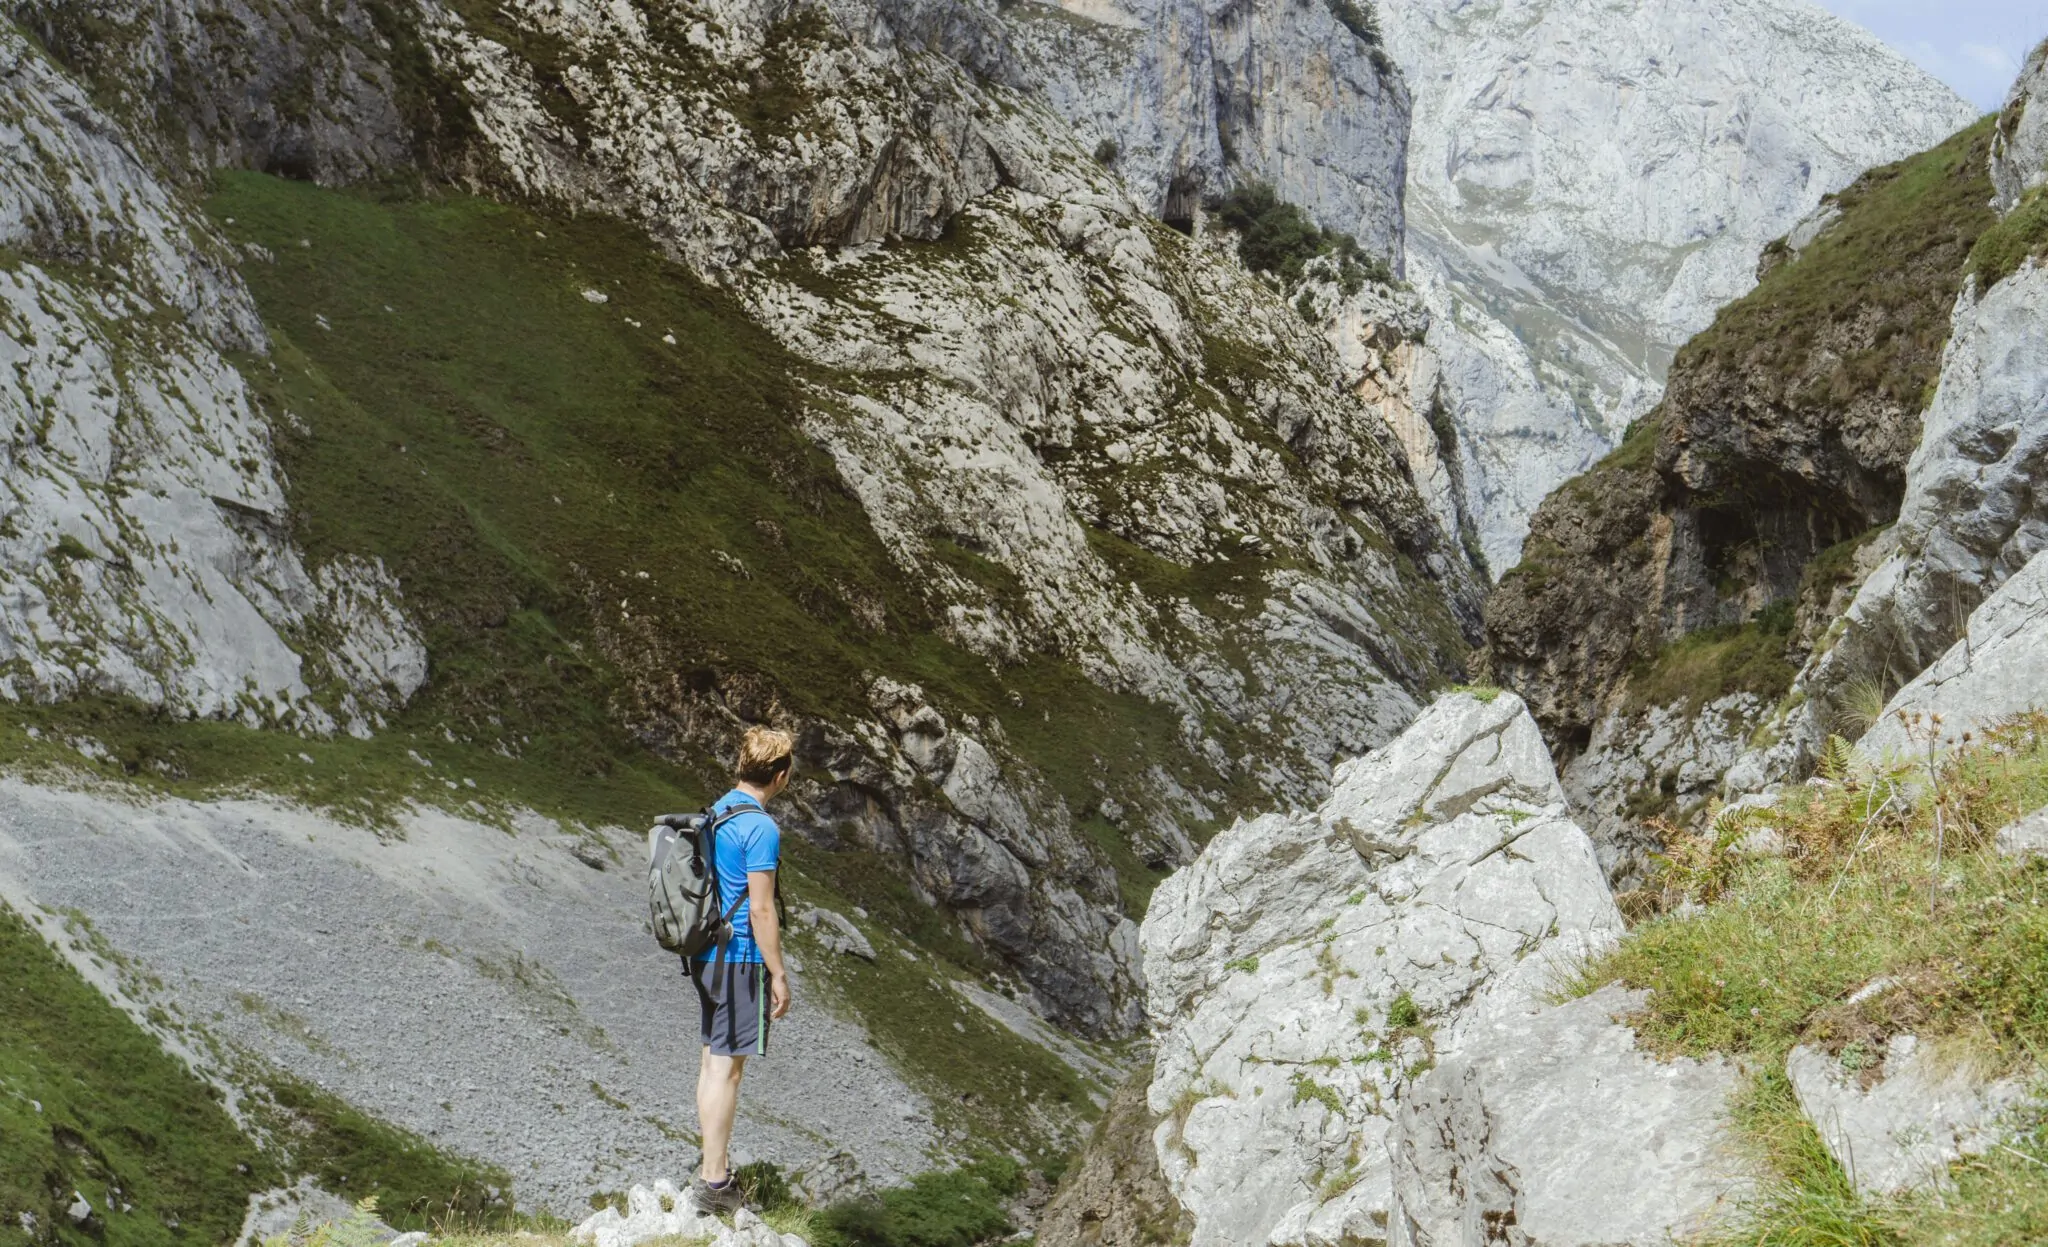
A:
[760,795]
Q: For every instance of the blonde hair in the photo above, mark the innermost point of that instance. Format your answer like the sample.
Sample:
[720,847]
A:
[764,754]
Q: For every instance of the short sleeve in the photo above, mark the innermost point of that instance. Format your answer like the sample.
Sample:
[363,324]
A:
[763,845]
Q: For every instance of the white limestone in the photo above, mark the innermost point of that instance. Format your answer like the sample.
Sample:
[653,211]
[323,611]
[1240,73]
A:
[1915,1115]
[1550,1120]
[144,539]
[1587,183]
[1442,876]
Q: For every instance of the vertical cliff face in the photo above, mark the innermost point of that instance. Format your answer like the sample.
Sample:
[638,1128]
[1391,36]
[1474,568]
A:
[1585,188]
[1665,597]
[1190,98]
[146,549]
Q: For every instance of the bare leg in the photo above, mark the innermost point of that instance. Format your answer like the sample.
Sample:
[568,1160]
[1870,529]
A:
[718,1102]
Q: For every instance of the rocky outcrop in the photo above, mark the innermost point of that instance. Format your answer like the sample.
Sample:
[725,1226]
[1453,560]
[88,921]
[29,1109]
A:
[1659,761]
[331,93]
[1971,517]
[1897,1123]
[1307,972]
[1999,668]
[1585,192]
[2019,149]
[1115,1194]
[146,547]
[1550,1127]
[661,1211]
[1705,558]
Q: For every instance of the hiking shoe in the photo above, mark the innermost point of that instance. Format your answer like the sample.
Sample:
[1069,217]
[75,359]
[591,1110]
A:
[712,1200]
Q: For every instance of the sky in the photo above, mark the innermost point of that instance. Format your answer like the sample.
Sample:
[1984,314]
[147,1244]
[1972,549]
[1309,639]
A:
[1975,46]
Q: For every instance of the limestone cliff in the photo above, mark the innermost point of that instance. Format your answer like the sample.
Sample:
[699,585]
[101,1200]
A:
[1587,185]
[1353,1039]
[1696,566]
[1107,466]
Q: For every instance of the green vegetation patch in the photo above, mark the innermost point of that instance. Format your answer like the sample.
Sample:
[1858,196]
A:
[947,1208]
[1712,663]
[1878,878]
[416,1186]
[1895,258]
[1277,237]
[2020,236]
[91,1103]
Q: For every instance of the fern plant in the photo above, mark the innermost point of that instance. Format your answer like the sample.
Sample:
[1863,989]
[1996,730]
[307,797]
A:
[359,1229]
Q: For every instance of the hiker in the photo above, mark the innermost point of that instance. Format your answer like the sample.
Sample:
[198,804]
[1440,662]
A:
[741,986]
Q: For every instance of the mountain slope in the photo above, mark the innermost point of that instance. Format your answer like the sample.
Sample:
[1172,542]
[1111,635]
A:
[1588,183]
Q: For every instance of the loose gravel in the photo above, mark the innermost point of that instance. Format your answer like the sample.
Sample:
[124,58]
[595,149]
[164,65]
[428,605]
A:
[481,987]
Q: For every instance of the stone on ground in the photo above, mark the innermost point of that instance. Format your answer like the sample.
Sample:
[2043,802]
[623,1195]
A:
[1552,1129]
[1900,1130]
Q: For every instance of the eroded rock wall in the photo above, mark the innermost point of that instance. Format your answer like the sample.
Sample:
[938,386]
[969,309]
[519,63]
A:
[1587,187]
[145,549]
[1349,1009]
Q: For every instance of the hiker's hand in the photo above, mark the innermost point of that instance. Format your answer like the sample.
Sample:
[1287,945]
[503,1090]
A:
[778,996]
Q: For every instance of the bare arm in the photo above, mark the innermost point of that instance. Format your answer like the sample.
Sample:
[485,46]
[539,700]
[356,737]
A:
[768,936]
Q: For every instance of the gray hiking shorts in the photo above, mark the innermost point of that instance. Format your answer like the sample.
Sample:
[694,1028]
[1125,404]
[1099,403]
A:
[732,1000]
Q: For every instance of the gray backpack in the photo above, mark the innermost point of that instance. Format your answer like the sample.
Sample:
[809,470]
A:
[682,881]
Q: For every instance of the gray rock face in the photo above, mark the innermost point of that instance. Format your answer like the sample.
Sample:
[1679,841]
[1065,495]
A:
[1550,1129]
[2019,149]
[1585,190]
[1998,669]
[1668,757]
[146,546]
[1195,96]
[1304,967]
[2026,836]
[1973,515]
[1899,1130]
[301,90]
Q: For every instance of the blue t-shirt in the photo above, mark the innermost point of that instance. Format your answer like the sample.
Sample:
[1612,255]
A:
[747,842]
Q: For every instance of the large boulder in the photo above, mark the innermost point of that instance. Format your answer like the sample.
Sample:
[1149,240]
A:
[1551,1128]
[1998,669]
[1307,968]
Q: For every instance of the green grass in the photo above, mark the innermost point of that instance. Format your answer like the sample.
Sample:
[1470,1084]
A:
[1782,941]
[2021,235]
[117,1114]
[1895,258]
[948,1208]
[1712,663]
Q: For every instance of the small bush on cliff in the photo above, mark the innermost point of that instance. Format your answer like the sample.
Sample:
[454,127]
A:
[1277,237]
[2023,234]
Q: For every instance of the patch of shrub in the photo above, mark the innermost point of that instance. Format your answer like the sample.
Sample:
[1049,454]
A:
[1277,237]
[1358,17]
[951,1208]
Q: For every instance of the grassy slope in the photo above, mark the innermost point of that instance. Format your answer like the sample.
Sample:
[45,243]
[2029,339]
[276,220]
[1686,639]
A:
[91,1104]
[1784,940]
[519,455]
[555,487]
